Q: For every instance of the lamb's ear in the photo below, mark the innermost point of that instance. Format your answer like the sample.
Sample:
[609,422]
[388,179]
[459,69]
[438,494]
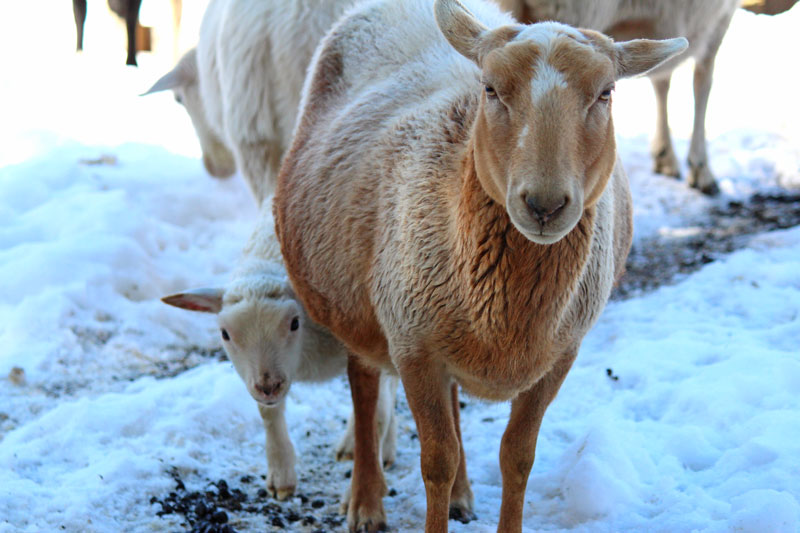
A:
[642,55]
[184,73]
[205,300]
[460,27]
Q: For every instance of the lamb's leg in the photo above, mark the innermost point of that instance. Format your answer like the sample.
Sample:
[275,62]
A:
[79,11]
[131,19]
[461,499]
[700,176]
[664,160]
[281,476]
[367,487]
[518,447]
[429,393]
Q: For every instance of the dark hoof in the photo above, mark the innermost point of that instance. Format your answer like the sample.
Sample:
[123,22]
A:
[371,527]
[710,190]
[465,516]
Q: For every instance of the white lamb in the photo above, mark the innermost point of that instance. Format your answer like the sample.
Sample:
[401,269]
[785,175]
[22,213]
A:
[272,342]
[241,86]
[702,22]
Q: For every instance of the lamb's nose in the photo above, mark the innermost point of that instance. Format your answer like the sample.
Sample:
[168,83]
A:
[544,210]
[269,386]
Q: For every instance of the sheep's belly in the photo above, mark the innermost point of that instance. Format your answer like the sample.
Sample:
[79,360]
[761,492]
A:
[497,375]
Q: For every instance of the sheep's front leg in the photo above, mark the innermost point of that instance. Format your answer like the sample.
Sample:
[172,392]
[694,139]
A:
[281,476]
[429,393]
[387,425]
[518,447]
[700,176]
[131,20]
[664,160]
[367,487]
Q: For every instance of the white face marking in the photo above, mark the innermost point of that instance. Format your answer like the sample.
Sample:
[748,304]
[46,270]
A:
[546,79]
[543,34]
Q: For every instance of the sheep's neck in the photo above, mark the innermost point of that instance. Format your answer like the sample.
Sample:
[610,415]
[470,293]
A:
[517,291]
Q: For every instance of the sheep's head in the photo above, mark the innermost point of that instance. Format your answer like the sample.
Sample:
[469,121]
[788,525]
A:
[543,138]
[262,337]
[182,80]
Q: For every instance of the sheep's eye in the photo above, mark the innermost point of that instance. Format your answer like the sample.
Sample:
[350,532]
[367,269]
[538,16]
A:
[225,335]
[295,324]
[178,99]
[605,96]
[490,92]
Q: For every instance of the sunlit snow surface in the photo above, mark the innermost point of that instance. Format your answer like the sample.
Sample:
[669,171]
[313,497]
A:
[105,207]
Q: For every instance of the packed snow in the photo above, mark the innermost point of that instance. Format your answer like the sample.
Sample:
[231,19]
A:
[682,412]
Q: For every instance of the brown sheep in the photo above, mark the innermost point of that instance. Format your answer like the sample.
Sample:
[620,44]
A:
[452,208]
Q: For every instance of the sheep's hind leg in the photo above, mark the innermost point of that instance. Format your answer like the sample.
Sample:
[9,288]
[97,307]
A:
[461,498]
[364,499]
[664,160]
[518,447]
[281,476]
[429,393]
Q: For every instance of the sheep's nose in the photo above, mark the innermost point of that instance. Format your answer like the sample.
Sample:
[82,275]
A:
[544,210]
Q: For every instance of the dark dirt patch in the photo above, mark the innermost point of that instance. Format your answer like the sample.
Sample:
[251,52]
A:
[664,260]
[223,507]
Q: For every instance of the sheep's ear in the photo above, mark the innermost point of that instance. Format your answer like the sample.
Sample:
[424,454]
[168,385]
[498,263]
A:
[184,73]
[204,300]
[460,27]
[643,55]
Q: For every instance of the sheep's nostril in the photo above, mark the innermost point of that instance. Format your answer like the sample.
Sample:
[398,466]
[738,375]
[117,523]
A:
[544,210]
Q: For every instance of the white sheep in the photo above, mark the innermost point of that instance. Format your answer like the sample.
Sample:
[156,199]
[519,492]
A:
[241,85]
[702,22]
[452,207]
[272,343]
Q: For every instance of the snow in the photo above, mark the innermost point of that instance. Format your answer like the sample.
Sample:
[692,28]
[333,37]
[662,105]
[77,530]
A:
[105,207]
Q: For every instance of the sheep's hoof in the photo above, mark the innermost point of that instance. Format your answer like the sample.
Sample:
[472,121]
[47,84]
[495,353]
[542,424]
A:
[360,518]
[369,527]
[462,514]
[701,178]
[666,164]
[344,455]
[281,493]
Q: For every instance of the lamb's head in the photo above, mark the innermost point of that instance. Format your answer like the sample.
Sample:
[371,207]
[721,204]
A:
[261,335]
[182,80]
[543,138]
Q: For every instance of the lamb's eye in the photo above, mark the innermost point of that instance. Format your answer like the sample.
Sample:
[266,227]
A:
[178,99]
[225,335]
[295,324]
[490,92]
[605,96]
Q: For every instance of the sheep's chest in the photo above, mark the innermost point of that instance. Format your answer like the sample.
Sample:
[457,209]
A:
[498,308]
